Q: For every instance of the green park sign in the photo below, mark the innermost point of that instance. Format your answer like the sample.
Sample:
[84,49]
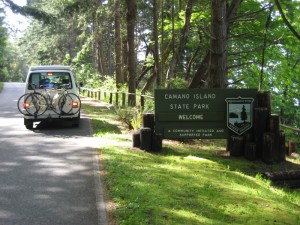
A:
[203,113]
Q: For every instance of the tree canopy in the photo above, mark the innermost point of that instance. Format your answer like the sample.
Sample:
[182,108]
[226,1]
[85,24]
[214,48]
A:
[148,44]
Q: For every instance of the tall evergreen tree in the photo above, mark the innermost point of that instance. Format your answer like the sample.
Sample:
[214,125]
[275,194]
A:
[3,44]
[131,23]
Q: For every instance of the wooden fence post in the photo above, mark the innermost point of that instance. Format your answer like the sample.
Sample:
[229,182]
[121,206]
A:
[148,121]
[236,146]
[142,102]
[110,98]
[292,147]
[264,101]
[117,99]
[123,99]
[273,126]
[268,153]
[136,139]
[250,151]
[146,138]
[260,127]
[282,148]
[156,143]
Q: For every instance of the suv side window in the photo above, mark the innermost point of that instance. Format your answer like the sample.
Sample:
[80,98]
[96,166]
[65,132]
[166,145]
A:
[34,81]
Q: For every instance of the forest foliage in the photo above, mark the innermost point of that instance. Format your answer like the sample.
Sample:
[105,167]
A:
[148,44]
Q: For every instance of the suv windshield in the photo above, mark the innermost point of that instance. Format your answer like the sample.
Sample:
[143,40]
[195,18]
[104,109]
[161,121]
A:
[57,80]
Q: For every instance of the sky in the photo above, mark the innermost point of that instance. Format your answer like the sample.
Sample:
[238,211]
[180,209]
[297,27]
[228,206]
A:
[15,23]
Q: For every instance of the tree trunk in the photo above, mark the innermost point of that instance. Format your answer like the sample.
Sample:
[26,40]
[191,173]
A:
[148,84]
[162,43]
[264,50]
[118,45]
[125,59]
[156,71]
[178,52]
[145,68]
[131,21]
[99,62]
[202,73]
[109,53]
[218,65]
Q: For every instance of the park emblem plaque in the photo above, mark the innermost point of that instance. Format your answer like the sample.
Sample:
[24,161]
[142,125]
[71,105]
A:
[203,113]
[239,114]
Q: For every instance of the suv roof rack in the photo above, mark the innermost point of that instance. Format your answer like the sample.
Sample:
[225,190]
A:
[50,67]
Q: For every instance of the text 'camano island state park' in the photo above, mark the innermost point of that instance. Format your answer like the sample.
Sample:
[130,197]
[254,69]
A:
[188,96]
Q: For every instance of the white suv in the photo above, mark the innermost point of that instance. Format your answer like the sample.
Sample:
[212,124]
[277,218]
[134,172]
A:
[50,94]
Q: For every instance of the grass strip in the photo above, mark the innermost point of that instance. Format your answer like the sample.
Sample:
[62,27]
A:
[188,183]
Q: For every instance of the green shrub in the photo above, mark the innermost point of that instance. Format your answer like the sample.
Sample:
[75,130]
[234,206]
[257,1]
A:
[132,117]
[178,82]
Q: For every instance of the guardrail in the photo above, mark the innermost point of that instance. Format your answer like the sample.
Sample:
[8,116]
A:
[290,128]
[114,98]
[295,135]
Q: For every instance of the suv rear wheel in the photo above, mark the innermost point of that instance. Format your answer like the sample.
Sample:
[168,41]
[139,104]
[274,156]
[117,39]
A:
[28,124]
[75,121]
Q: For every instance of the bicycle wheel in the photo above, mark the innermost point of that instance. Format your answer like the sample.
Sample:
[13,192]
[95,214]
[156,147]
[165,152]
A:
[34,104]
[22,105]
[69,104]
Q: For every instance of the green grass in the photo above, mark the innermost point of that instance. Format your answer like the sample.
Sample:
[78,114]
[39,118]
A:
[188,183]
[1,86]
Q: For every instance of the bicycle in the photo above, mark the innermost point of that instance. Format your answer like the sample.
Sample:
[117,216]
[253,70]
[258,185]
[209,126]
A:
[37,103]
[68,103]
[33,104]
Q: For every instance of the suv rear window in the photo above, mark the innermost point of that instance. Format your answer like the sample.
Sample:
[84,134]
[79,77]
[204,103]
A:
[42,80]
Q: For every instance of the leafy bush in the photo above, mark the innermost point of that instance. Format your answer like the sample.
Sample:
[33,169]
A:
[132,117]
[178,82]
[136,121]
[108,83]
[149,104]
[86,74]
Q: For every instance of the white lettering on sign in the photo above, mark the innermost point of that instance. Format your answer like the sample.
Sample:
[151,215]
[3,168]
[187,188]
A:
[177,96]
[186,96]
[201,106]
[183,130]
[190,117]
[204,96]
[179,106]
[205,130]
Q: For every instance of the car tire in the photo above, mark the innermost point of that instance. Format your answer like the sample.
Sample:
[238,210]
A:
[75,121]
[28,124]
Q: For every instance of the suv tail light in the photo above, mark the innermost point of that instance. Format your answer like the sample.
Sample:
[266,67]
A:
[26,105]
[75,104]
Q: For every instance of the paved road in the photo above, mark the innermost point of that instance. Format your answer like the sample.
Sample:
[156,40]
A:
[48,176]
